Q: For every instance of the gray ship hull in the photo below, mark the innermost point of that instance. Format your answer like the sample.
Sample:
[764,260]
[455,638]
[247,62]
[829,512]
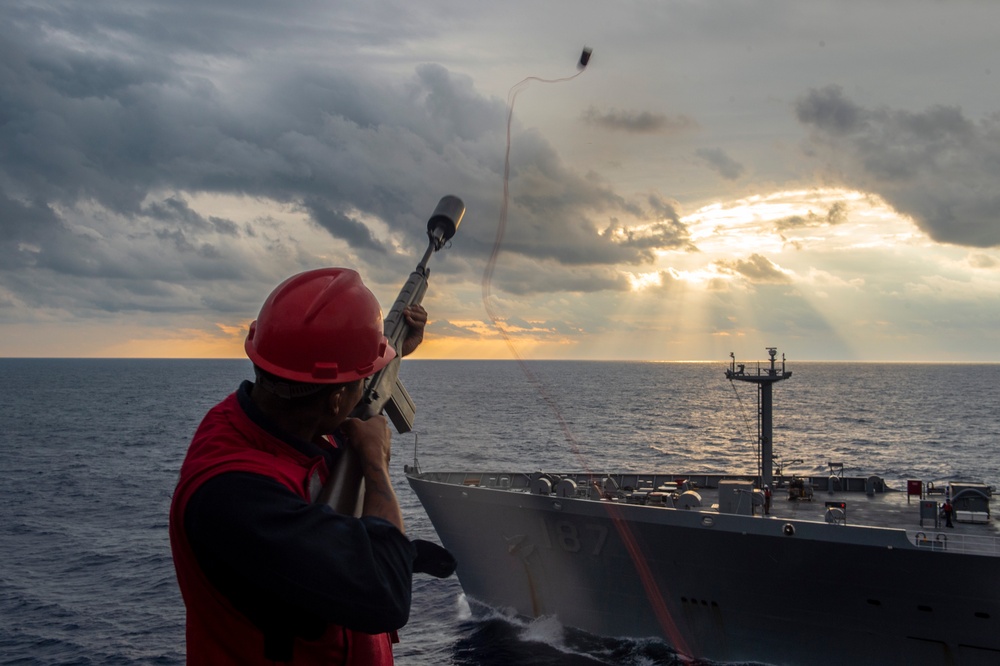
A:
[719,586]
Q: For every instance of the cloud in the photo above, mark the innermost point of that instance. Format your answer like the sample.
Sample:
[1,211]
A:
[521,276]
[174,209]
[825,279]
[355,232]
[837,214]
[983,261]
[935,165]
[469,330]
[758,269]
[829,108]
[114,126]
[722,163]
[556,213]
[638,122]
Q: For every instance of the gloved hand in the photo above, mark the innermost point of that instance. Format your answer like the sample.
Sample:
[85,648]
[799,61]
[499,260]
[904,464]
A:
[433,559]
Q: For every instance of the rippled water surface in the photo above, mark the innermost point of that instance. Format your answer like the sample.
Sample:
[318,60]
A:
[90,451]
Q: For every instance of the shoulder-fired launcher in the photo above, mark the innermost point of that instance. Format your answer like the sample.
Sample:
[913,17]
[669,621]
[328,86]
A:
[384,392]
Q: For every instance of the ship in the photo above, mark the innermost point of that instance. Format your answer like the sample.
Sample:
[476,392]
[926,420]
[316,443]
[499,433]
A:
[767,567]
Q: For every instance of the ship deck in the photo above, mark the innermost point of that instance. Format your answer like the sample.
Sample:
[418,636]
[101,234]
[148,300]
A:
[856,501]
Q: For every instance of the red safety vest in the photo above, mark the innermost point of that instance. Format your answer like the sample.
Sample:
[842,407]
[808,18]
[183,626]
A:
[217,634]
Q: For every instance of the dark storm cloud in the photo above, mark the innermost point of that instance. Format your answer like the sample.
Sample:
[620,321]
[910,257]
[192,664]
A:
[111,117]
[523,277]
[667,210]
[721,163]
[175,210]
[558,214]
[24,223]
[638,122]
[830,109]
[935,165]
[343,226]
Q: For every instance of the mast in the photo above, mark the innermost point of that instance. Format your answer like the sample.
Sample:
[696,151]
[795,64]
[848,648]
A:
[764,379]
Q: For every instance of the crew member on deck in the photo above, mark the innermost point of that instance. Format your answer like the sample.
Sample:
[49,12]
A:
[947,509]
[268,574]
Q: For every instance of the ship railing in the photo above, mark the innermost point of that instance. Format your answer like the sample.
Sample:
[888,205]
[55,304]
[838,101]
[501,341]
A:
[752,369]
[955,543]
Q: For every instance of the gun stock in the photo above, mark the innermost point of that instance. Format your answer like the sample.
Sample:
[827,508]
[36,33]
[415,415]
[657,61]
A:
[384,392]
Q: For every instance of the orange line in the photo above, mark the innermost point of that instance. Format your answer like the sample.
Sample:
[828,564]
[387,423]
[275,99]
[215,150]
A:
[653,593]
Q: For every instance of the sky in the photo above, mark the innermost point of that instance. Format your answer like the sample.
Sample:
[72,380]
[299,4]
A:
[821,177]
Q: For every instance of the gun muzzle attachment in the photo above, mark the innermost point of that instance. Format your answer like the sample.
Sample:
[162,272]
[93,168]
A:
[445,220]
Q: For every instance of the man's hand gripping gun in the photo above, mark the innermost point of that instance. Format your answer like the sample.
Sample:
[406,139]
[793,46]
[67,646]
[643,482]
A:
[383,391]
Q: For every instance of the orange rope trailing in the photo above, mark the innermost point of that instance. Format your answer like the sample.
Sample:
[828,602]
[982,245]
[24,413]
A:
[502,225]
[653,594]
[501,230]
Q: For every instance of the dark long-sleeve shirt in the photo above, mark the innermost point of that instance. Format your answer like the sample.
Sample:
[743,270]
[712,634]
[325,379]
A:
[292,566]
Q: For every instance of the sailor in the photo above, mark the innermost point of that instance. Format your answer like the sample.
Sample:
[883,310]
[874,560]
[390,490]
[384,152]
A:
[947,510]
[767,499]
[267,574]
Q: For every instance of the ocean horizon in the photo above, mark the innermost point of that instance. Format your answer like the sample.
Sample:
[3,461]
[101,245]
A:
[91,449]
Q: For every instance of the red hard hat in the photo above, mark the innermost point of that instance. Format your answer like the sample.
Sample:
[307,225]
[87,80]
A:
[320,327]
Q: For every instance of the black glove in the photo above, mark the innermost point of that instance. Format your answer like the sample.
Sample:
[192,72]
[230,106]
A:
[433,559]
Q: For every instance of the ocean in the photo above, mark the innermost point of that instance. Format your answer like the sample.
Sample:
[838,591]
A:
[90,449]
